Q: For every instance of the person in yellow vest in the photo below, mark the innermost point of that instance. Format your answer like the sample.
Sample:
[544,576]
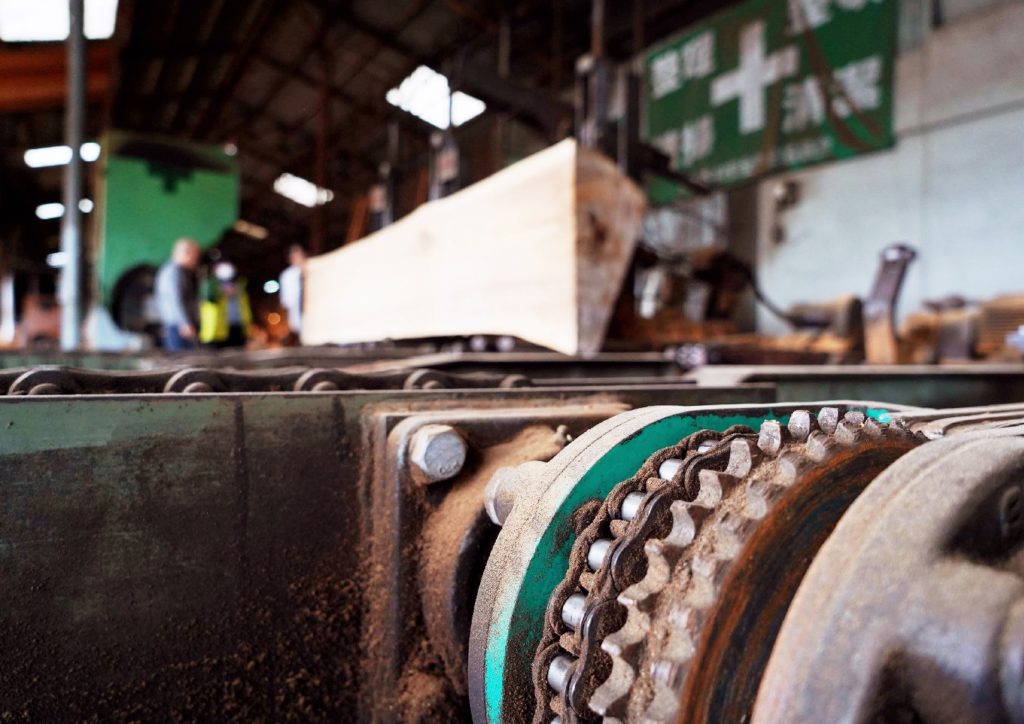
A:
[225,315]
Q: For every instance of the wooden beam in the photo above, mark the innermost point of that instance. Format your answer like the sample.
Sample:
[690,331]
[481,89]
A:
[35,79]
[288,73]
[254,35]
[538,251]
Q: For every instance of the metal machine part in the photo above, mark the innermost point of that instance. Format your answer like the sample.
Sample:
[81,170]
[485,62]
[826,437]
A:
[559,523]
[316,543]
[676,581]
[718,566]
[912,610]
[880,342]
[72,381]
[213,544]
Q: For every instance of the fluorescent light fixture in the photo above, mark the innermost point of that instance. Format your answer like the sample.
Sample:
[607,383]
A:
[57,259]
[59,155]
[50,211]
[249,229]
[55,210]
[49,20]
[302,191]
[271,287]
[90,151]
[426,94]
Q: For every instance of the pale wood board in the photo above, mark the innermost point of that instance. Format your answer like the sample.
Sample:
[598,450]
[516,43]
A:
[538,251]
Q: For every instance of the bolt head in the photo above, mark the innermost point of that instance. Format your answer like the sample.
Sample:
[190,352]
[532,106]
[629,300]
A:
[437,452]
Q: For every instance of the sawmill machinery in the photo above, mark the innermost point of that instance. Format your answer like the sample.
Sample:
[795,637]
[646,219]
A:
[381,541]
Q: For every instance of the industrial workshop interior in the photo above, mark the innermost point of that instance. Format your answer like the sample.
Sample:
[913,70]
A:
[512,361]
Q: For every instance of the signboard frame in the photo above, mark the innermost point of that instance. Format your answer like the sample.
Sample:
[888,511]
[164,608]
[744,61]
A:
[771,85]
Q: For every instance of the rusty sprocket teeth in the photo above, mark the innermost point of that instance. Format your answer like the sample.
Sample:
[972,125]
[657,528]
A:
[624,646]
[807,441]
[609,698]
[754,472]
[828,419]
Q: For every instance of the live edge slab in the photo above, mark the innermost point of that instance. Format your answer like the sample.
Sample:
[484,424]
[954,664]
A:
[537,251]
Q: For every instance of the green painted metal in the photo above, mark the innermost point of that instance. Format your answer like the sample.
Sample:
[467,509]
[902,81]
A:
[878,414]
[88,360]
[771,85]
[155,191]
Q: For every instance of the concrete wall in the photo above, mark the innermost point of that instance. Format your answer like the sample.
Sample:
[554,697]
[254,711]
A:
[953,187]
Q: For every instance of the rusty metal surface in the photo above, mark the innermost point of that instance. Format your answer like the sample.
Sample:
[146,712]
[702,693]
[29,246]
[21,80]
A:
[558,518]
[911,609]
[921,385]
[458,532]
[722,547]
[782,530]
[537,364]
[204,556]
[77,381]
[260,549]
[156,561]
[421,554]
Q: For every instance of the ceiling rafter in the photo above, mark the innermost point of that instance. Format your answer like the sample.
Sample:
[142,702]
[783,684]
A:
[253,37]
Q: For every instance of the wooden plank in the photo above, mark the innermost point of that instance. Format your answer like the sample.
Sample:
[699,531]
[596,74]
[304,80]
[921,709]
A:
[537,251]
[36,78]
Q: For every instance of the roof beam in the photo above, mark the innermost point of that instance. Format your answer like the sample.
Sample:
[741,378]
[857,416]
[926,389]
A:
[344,15]
[371,111]
[254,35]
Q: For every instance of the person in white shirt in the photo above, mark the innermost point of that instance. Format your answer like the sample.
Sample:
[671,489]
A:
[291,287]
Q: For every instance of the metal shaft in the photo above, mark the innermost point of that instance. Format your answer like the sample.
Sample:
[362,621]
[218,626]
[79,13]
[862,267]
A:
[71,285]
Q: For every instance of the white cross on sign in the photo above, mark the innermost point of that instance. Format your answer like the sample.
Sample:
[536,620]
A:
[755,73]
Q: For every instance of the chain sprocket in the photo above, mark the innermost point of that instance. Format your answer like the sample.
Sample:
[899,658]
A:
[649,591]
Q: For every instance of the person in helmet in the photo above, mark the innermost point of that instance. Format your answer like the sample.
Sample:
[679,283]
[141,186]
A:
[225,315]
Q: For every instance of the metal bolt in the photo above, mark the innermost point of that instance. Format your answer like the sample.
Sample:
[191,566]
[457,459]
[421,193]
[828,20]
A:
[500,494]
[559,671]
[437,452]
[504,487]
[562,435]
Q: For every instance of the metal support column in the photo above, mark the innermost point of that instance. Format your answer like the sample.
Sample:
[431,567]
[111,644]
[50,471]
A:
[8,321]
[318,235]
[504,71]
[71,283]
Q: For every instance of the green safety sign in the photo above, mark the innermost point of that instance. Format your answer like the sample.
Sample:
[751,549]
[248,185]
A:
[770,85]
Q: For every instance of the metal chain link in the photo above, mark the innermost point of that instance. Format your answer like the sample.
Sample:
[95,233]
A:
[582,610]
[702,450]
[76,381]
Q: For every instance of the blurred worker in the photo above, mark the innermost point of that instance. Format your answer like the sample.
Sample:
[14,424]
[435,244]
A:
[225,316]
[291,282]
[177,297]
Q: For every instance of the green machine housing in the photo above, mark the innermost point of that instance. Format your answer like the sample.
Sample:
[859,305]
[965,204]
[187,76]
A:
[151,192]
